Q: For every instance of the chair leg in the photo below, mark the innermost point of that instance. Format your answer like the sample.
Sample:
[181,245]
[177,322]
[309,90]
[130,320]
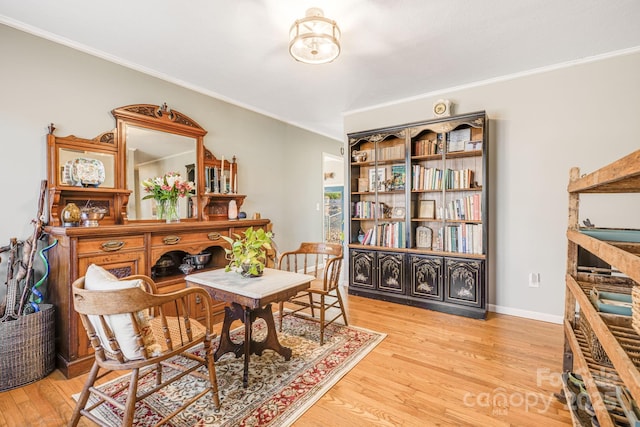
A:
[84,395]
[311,305]
[340,302]
[130,405]
[158,374]
[281,308]
[213,379]
[322,314]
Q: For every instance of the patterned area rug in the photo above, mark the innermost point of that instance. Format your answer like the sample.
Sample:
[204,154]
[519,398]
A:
[279,391]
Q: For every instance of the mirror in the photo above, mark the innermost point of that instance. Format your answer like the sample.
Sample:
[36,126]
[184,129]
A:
[149,154]
[84,168]
[156,140]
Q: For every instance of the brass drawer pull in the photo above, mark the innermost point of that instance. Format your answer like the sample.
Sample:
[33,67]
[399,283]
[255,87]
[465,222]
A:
[213,235]
[112,245]
[171,240]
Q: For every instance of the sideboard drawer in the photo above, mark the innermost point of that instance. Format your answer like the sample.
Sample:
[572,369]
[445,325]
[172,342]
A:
[210,237]
[105,245]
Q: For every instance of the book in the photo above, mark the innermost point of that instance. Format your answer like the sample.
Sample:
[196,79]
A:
[377,178]
[398,177]
[427,209]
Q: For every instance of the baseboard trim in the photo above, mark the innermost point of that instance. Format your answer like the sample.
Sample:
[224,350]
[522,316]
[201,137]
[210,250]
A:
[534,315]
[527,314]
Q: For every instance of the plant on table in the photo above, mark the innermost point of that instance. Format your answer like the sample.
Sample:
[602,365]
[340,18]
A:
[248,252]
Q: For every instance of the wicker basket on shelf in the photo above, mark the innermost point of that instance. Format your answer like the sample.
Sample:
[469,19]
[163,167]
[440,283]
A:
[620,326]
[27,348]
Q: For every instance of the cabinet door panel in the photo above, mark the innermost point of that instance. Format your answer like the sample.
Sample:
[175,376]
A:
[463,282]
[426,277]
[362,263]
[391,272]
[120,264]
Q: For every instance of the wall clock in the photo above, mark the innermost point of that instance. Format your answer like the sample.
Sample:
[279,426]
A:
[442,108]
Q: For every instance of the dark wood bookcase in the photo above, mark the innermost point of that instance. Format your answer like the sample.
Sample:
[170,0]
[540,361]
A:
[418,231]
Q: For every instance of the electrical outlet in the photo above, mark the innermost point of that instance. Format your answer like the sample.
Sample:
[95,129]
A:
[534,280]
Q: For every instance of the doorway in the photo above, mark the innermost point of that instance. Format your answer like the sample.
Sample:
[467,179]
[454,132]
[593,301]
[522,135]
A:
[333,196]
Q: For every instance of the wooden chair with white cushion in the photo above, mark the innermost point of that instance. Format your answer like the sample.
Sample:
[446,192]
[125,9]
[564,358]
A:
[324,261]
[128,330]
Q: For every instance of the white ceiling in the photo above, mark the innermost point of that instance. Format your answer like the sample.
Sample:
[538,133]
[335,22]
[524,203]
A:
[236,50]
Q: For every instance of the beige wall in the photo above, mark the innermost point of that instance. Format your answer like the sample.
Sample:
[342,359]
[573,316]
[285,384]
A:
[541,125]
[280,166]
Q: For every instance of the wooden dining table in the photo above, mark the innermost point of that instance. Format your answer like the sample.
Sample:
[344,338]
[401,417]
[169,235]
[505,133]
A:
[250,298]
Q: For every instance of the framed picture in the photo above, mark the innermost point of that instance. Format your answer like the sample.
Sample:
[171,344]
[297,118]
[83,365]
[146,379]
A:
[377,177]
[427,209]
[424,237]
[398,212]
[458,139]
[473,146]
[363,185]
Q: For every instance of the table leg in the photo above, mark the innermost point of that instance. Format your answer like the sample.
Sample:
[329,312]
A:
[248,321]
[271,342]
[235,312]
[249,346]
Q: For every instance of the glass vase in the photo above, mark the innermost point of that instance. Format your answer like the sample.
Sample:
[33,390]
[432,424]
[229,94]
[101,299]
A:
[171,210]
[160,208]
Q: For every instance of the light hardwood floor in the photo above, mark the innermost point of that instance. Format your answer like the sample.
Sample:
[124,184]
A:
[431,369]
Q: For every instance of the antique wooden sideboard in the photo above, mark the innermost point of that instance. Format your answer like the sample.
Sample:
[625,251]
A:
[130,239]
[125,250]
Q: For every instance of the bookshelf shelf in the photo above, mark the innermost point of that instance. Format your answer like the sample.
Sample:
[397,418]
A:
[424,214]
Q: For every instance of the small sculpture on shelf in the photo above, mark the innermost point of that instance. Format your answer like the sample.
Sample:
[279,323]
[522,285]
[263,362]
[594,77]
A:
[359,156]
[186,268]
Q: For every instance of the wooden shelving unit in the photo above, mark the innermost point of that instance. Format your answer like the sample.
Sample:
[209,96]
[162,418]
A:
[418,226]
[620,342]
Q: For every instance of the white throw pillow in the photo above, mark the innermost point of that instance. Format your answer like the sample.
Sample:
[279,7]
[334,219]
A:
[98,279]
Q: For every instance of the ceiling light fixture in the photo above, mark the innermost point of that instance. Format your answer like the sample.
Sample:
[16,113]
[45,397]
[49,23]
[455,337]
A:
[314,39]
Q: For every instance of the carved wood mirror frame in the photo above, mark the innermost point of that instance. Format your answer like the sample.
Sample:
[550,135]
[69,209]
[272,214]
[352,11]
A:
[161,119]
[113,194]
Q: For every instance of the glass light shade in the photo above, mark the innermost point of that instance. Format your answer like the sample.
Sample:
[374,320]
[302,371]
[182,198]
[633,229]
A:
[314,39]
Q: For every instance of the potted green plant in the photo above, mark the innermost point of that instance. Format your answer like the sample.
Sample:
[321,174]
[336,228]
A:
[247,254]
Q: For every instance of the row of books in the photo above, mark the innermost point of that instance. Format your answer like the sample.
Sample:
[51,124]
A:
[466,208]
[425,147]
[457,179]
[365,209]
[392,152]
[424,178]
[461,238]
[387,234]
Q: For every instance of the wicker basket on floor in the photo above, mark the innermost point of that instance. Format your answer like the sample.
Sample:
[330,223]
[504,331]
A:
[27,348]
